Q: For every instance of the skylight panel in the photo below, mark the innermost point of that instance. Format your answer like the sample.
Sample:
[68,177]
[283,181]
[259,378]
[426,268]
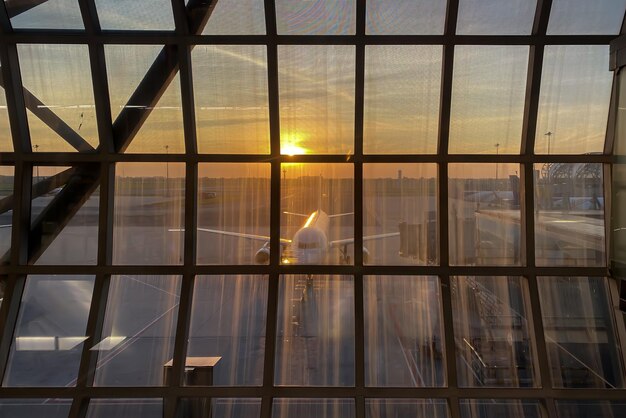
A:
[405,17]
[586,17]
[50,14]
[496,17]
[135,14]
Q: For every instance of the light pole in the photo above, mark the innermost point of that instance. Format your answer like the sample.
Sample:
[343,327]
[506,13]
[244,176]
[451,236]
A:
[37,166]
[549,135]
[497,145]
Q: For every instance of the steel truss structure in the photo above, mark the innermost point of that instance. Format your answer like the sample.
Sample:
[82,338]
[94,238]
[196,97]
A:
[92,168]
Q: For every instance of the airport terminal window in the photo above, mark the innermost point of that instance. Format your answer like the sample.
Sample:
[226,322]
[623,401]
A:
[272,208]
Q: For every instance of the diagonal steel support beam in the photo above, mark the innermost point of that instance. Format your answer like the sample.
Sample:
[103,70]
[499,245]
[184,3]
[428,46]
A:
[16,7]
[86,178]
[39,189]
[47,116]
[157,79]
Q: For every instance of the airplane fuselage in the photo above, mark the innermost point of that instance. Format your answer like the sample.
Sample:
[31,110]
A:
[310,243]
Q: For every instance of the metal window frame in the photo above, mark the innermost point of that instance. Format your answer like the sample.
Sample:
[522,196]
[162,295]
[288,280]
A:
[101,164]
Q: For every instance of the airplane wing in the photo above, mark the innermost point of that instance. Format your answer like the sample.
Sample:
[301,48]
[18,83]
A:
[6,226]
[302,215]
[283,241]
[348,241]
[338,215]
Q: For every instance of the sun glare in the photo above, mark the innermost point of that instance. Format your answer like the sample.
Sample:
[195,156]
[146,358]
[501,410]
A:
[290,146]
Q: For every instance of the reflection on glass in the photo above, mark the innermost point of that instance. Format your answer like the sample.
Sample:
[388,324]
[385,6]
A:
[569,214]
[50,331]
[236,17]
[493,331]
[315,332]
[233,213]
[591,409]
[162,131]
[496,17]
[230,83]
[77,242]
[582,17]
[317,217]
[56,14]
[414,408]
[148,213]
[618,184]
[6,144]
[402,89]
[219,407]
[125,408]
[511,408]
[316,92]
[320,17]
[488,99]
[59,97]
[312,408]
[137,337]
[6,209]
[401,17]
[400,214]
[403,331]
[580,332]
[135,14]
[227,331]
[574,99]
[484,214]
[29,408]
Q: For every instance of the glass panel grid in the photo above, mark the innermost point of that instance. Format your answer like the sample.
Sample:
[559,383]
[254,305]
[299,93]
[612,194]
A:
[173,206]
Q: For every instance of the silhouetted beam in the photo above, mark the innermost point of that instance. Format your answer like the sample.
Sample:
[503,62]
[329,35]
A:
[51,221]
[40,188]
[157,80]
[80,186]
[16,7]
[55,123]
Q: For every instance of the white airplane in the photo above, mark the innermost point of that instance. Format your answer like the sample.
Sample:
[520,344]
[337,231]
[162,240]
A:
[6,226]
[309,245]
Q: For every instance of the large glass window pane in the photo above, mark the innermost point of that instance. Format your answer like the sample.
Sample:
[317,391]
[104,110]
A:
[232,114]
[135,15]
[316,92]
[138,332]
[580,332]
[569,214]
[496,17]
[6,143]
[574,99]
[488,99]
[227,330]
[484,214]
[50,14]
[320,17]
[236,17]
[511,408]
[403,331]
[28,408]
[75,242]
[402,90]
[582,17]
[400,214]
[161,130]
[50,331]
[125,408]
[312,408]
[59,97]
[233,213]
[219,407]
[317,218]
[6,209]
[148,213]
[315,331]
[414,408]
[590,409]
[493,331]
[401,17]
